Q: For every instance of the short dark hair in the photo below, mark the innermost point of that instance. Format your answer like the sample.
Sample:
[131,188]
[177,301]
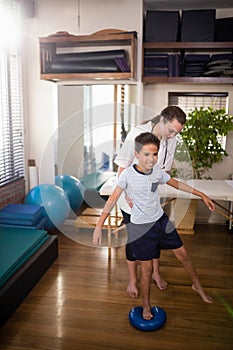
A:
[145,138]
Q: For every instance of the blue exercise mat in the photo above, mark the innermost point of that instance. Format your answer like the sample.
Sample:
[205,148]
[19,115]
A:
[26,214]
[94,181]
[16,246]
[38,225]
[21,211]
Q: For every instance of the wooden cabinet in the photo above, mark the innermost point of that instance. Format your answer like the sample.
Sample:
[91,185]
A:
[65,43]
[183,48]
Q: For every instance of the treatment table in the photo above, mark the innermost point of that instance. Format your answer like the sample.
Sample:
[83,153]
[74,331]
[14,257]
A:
[216,189]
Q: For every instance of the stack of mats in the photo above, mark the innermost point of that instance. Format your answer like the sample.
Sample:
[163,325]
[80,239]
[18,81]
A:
[25,255]
[22,216]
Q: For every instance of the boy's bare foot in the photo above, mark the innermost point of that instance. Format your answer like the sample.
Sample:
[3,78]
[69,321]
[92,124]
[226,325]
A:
[146,313]
[160,282]
[132,290]
[206,298]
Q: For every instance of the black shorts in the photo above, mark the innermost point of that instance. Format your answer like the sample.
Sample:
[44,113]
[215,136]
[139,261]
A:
[159,235]
[126,217]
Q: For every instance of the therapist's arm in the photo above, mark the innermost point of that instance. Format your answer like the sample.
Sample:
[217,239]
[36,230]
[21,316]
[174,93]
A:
[119,171]
[127,198]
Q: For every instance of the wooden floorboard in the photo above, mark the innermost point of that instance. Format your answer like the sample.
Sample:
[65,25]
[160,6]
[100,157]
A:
[81,301]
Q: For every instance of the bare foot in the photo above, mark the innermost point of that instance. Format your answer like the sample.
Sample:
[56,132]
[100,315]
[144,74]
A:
[132,290]
[146,313]
[206,298]
[160,282]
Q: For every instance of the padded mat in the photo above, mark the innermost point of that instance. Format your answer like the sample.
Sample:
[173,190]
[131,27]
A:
[38,225]
[16,246]
[94,181]
[24,213]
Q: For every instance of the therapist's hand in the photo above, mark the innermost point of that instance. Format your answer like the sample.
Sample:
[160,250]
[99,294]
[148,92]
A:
[129,201]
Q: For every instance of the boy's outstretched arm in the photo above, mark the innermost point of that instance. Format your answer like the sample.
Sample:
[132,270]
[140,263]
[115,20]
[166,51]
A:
[109,205]
[186,188]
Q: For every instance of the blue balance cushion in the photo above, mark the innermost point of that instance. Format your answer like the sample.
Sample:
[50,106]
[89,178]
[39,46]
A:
[157,322]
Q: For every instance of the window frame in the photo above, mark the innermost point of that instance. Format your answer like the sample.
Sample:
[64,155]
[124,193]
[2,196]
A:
[216,100]
[12,162]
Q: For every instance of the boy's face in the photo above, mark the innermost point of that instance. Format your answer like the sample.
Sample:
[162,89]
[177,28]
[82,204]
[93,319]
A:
[147,157]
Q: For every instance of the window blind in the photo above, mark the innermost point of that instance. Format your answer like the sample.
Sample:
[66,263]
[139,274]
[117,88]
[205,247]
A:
[188,101]
[11,121]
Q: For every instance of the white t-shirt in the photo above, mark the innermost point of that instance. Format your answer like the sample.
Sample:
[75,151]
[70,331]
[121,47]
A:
[143,190]
[125,157]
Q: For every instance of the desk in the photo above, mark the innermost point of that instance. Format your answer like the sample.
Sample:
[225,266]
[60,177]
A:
[215,189]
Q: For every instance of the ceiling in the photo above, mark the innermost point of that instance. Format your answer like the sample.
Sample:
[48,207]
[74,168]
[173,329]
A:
[187,4]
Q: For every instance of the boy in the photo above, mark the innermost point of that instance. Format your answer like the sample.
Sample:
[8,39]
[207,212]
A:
[165,126]
[150,229]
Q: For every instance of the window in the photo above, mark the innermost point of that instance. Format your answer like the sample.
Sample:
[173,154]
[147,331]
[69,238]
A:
[11,126]
[108,117]
[188,101]
[192,158]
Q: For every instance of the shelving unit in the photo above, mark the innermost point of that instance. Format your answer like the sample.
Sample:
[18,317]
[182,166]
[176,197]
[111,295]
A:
[182,48]
[67,43]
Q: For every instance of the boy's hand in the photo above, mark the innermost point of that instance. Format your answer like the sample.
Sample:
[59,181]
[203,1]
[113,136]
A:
[208,202]
[97,236]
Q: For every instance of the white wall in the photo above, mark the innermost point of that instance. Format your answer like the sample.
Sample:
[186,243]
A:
[40,97]
[69,155]
[41,102]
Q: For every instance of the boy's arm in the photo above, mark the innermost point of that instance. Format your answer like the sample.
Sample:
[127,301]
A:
[109,205]
[186,188]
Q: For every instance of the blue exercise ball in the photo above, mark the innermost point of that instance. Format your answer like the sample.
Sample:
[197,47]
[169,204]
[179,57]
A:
[136,319]
[54,201]
[73,188]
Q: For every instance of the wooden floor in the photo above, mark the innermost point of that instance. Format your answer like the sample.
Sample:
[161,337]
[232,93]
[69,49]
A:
[81,302]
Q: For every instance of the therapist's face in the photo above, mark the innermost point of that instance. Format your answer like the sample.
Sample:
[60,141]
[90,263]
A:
[170,129]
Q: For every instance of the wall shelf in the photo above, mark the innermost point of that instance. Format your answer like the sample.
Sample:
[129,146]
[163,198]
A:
[109,39]
[187,80]
[189,45]
[182,48]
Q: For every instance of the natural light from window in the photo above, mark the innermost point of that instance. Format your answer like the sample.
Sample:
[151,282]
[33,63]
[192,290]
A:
[11,121]
[9,28]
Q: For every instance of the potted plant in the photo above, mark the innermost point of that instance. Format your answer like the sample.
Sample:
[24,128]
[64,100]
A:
[197,150]
[200,144]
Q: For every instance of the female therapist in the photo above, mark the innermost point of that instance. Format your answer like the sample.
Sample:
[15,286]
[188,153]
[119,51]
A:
[165,126]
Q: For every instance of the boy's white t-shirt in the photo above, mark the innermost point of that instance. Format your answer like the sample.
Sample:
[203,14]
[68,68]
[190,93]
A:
[143,190]
[125,157]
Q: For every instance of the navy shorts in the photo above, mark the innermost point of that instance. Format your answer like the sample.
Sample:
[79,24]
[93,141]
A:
[146,240]
[126,217]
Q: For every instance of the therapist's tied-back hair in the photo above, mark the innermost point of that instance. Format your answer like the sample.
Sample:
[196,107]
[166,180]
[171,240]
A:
[145,138]
[169,113]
